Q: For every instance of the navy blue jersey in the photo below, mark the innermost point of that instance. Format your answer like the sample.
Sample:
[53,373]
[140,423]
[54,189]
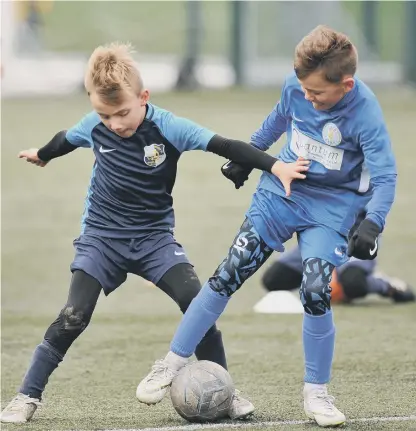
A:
[352,163]
[132,179]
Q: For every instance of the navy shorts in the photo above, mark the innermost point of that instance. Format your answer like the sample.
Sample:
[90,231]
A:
[110,260]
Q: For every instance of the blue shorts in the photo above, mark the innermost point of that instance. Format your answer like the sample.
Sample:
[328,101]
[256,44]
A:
[110,260]
[293,259]
[276,219]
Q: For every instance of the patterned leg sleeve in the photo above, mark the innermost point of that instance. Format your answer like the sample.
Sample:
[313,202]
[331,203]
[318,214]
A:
[315,292]
[246,255]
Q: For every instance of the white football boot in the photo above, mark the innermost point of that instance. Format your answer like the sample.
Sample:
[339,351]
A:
[153,387]
[320,406]
[240,407]
[20,409]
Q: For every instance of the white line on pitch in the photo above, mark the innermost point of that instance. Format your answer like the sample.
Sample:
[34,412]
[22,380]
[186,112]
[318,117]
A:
[193,427]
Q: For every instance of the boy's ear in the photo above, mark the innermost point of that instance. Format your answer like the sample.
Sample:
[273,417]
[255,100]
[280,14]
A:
[349,84]
[144,96]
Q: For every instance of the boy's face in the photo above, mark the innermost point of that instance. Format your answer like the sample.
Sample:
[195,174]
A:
[125,118]
[323,94]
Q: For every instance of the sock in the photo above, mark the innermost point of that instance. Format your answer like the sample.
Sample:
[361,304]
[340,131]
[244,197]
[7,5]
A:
[175,361]
[314,386]
[201,314]
[318,344]
[44,361]
[377,285]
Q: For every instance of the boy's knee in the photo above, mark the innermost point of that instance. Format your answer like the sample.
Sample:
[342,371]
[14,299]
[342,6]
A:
[316,300]
[74,319]
[187,294]
[315,292]
[70,323]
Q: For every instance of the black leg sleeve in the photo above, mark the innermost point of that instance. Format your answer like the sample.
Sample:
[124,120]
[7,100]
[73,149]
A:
[182,284]
[72,320]
[76,314]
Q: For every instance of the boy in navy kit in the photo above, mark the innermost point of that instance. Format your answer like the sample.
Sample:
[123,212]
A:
[128,221]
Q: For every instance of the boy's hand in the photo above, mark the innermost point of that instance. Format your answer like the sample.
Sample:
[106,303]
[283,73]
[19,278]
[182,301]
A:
[236,173]
[31,156]
[287,172]
[364,242]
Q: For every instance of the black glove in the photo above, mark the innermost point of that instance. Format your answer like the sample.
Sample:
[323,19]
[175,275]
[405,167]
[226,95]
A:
[363,244]
[236,173]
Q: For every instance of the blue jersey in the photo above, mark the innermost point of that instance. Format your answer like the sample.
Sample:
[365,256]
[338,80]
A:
[352,163]
[132,179]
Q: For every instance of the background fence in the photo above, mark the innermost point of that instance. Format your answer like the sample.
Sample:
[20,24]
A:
[211,43]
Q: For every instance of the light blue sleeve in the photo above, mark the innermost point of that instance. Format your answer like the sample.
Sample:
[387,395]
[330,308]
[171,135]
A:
[273,126]
[380,161]
[80,134]
[384,190]
[183,134]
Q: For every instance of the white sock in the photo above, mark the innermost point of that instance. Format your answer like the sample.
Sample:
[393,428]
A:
[314,386]
[175,361]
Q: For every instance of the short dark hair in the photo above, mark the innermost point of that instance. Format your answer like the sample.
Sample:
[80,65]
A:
[327,50]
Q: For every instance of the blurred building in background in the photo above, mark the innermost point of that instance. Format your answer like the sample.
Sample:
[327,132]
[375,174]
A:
[186,45]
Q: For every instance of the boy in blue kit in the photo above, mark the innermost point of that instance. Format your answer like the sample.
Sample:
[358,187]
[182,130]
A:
[332,119]
[128,222]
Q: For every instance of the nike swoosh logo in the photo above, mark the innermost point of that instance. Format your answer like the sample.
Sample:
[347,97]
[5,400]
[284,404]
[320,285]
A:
[372,251]
[179,253]
[102,150]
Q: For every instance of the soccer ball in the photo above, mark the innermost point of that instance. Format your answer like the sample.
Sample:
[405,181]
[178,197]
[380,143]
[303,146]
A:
[202,392]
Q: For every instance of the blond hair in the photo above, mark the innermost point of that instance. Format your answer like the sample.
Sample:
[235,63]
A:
[326,50]
[111,72]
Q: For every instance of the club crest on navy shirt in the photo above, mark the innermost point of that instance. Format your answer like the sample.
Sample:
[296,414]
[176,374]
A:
[154,155]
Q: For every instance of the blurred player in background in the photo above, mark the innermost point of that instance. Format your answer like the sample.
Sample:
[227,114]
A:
[128,222]
[334,120]
[31,15]
[353,280]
